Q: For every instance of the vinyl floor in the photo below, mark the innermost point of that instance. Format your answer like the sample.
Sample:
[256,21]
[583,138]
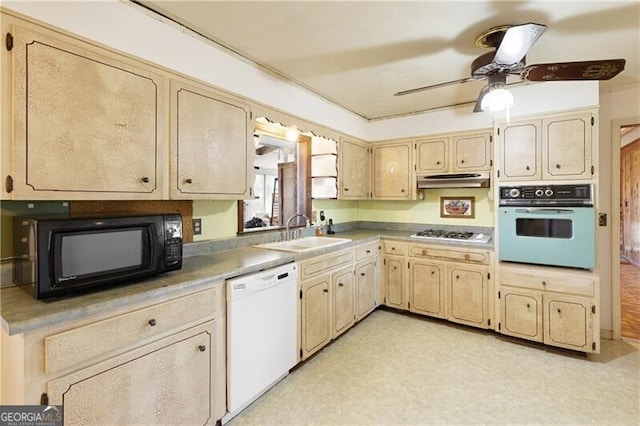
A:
[629,301]
[400,369]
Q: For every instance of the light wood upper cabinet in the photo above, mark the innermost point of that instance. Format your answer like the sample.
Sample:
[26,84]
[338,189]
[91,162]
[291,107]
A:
[211,144]
[87,123]
[520,151]
[353,170]
[471,152]
[392,168]
[553,148]
[566,147]
[432,155]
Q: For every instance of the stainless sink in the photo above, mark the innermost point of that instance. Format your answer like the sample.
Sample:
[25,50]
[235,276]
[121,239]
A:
[303,244]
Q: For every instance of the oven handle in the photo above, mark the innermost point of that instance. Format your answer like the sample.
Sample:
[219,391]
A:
[545,211]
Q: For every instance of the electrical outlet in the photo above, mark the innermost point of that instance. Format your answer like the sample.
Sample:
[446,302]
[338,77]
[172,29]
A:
[197,226]
[321,215]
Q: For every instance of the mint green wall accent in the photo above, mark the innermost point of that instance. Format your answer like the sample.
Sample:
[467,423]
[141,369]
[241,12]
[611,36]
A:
[339,211]
[427,211]
[219,218]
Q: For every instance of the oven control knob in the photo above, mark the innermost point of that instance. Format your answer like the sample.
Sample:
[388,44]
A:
[539,192]
[548,192]
[514,192]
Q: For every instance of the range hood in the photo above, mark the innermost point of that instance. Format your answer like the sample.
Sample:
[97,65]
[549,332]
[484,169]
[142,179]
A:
[454,180]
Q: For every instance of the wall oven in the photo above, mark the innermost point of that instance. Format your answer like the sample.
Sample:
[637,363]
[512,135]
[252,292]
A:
[59,256]
[547,225]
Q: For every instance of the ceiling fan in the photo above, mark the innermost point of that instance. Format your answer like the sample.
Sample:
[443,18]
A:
[510,44]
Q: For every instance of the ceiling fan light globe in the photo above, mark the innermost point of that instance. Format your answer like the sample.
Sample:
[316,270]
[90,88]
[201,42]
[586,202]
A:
[497,100]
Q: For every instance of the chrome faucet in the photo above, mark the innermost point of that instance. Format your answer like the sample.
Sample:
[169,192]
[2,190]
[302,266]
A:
[306,224]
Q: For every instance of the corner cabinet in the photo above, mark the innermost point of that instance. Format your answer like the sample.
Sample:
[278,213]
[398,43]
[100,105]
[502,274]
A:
[552,148]
[554,307]
[392,171]
[161,363]
[85,123]
[211,144]
[353,170]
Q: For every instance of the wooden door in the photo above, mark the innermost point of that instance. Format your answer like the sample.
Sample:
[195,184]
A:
[568,322]
[316,315]
[395,278]
[365,288]
[343,293]
[472,153]
[566,147]
[169,383]
[520,151]
[426,288]
[213,152]
[468,302]
[89,124]
[287,191]
[521,313]
[354,170]
[432,155]
[392,169]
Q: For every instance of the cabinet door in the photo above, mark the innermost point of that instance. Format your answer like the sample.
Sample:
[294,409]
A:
[354,170]
[365,288]
[566,147]
[426,288]
[88,123]
[520,150]
[521,313]
[392,170]
[316,315]
[343,301]
[168,382]
[569,322]
[471,152]
[211,156]
[468,302]
[395,281]
[432,155]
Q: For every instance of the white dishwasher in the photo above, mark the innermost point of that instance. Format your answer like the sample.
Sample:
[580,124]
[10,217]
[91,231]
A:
[261,333]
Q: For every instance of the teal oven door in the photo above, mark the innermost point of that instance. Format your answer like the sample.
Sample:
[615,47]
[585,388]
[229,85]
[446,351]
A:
[556,236]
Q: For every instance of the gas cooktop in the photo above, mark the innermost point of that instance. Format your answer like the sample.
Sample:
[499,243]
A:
[438,234]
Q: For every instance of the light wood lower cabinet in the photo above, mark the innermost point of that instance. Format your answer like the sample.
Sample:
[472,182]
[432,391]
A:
[554,307]
[468,294]
[162,363]
[315,315]
[396,282]
[427,288]
[343,294]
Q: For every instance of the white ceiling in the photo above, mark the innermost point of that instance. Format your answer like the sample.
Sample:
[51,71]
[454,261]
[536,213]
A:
[357,54]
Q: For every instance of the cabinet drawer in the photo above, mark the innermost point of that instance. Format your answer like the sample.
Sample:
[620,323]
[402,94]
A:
[80,344]
[460,255]
[570,284]
[391,247]
[367,250]
[324,263]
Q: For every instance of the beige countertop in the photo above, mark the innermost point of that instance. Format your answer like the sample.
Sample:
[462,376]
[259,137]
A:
[21,313]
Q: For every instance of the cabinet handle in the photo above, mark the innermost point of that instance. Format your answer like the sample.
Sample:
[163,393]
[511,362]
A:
[461,161]
[395,267]
[433,272]
[437,163]
[152,322]
[393,249]
[424,252]
[557,166]
[362,274]
[559,311]
[346,189]
[544,283]
[467,257]
[340,285]
[528,306]
[528,168]
[325,290]
[368,251]
[202,348]
[402,190]
[188,180]
[457,277]
[145,179]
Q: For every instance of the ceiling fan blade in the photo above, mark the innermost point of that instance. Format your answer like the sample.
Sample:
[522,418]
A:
[516,43]
[435,86]
[482,94]
[583,70]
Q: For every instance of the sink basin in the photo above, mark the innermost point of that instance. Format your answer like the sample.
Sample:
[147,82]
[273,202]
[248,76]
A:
[303,244]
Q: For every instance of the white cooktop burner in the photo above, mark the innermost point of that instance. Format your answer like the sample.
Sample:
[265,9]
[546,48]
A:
[437,234]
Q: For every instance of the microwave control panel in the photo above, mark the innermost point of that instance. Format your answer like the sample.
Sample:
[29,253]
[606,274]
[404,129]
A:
[173,240]
[557,195]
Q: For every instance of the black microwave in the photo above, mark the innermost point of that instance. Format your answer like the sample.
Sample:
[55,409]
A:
[55,257]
